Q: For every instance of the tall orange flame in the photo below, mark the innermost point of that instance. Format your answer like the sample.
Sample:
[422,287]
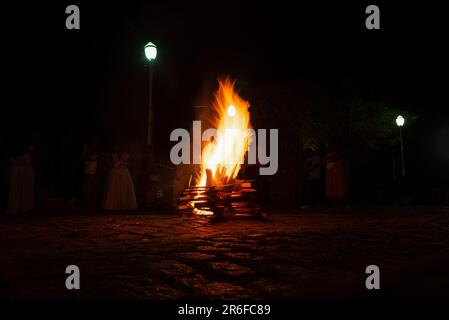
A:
[222,158]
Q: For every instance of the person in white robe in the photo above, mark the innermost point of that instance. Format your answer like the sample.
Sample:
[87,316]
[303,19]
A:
[119,191]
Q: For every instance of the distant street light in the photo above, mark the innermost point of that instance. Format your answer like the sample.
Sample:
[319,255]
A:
[400,122]
[150,53]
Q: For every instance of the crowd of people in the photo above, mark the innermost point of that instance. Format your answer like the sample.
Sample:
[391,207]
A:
[114,179]
[126,178]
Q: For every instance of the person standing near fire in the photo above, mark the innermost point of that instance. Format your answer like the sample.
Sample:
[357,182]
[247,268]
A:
[336,176]
[312,177]
[90,178]
[119,190]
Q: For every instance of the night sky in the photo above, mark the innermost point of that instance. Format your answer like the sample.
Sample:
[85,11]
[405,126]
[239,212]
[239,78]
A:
[93,81]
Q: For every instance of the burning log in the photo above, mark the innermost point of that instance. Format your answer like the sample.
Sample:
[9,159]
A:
[209,178]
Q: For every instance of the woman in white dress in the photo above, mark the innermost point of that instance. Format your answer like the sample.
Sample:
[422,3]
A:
[21,185]
[119,191]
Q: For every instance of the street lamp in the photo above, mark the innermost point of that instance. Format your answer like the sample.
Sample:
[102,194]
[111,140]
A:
[400,122]
[150,53]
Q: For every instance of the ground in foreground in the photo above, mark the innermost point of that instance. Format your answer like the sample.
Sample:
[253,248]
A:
[317,254]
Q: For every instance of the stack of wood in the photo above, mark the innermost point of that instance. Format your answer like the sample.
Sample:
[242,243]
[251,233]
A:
[227,200]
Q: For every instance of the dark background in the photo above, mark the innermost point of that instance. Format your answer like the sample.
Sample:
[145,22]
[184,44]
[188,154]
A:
[93,82]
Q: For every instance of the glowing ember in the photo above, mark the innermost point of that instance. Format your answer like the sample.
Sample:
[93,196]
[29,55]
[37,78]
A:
[202,212]
[222,157]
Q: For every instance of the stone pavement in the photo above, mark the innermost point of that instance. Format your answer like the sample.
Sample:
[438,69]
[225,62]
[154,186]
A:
[319,254]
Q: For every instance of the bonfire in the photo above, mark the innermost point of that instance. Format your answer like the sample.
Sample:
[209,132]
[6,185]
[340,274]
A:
[217,190]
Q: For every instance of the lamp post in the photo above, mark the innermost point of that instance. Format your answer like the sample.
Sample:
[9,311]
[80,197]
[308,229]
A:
[150,53]
[400,122]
